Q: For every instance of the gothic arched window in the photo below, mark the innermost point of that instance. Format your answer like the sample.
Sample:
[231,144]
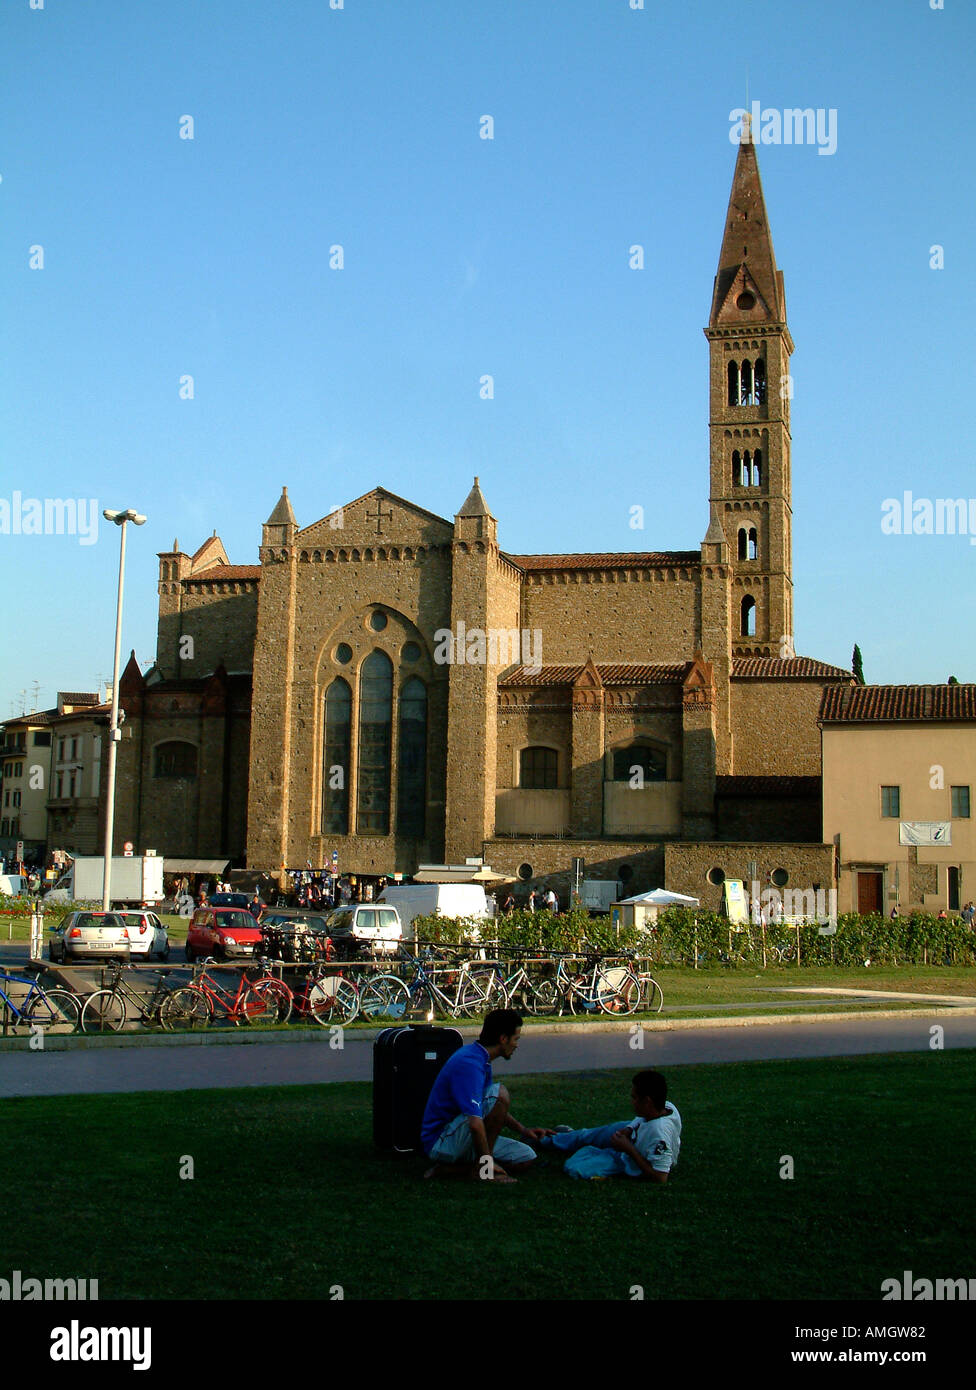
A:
[745,396]
[742,543]
[733,383]
[748,614]
[539,768]
[650,762]
[412,759]
[752,544]
[335,762]
[757,468]
[736,467]
[175,759]
[759,391]
[375,742]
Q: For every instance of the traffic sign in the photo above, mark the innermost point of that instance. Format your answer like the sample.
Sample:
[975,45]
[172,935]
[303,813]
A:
[127,849]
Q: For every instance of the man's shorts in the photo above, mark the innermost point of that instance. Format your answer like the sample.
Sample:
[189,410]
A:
[455,1143]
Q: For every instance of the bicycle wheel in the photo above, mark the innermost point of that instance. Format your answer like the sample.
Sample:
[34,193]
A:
[103,1012]
[471,999]
[617,992]
[651,995]
[333,1000]
[544,998]
[492,985]
[258,1005]
[280,993]
[385,997]
[55,1011]
[188,1007]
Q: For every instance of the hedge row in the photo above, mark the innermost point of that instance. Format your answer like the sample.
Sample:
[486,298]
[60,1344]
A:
[684,937]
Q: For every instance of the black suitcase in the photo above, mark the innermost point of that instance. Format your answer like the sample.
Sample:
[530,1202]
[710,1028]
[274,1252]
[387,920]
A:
[405,1065]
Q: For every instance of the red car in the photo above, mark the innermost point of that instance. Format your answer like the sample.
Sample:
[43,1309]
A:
[222,932]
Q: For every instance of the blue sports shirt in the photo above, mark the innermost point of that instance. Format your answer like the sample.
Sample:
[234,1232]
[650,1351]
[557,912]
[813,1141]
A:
[458,1090]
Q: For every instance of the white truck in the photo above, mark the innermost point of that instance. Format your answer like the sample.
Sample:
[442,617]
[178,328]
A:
[599,894]
[136,879]
[443,899]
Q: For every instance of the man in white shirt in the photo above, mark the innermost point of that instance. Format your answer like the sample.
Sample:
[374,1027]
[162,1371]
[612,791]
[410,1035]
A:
[645,1147]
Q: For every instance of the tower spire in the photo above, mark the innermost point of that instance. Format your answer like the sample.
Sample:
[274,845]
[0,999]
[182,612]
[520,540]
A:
[747,263]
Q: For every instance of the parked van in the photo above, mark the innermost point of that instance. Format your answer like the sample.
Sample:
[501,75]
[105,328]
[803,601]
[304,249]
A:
[372,926]
[443,899]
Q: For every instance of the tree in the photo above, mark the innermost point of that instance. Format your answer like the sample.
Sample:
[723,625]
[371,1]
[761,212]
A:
[857,665]
[952,681]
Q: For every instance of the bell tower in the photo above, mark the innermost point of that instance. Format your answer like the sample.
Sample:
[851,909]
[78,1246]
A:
[750,388]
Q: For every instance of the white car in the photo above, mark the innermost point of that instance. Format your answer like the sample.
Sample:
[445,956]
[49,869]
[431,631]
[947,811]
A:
[147,934]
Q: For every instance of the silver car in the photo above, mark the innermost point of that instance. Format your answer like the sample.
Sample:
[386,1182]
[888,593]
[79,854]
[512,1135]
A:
[90,936]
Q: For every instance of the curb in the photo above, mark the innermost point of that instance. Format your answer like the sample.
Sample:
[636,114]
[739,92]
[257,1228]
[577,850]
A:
[75,1043]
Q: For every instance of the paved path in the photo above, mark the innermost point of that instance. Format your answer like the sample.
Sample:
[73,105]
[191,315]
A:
[302,1063]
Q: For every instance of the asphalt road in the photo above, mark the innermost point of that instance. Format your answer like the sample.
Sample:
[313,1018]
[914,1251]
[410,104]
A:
[178,1068]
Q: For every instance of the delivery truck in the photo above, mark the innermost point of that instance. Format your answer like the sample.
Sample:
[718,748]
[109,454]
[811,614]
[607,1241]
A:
[441,899]
[599,894]
[136,879]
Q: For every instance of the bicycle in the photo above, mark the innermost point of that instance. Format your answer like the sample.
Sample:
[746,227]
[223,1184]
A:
[51,1010]
[539,996]
[106,1009]
[329,999]
[469,997]
[633,989]
[579,990]
[195,1005]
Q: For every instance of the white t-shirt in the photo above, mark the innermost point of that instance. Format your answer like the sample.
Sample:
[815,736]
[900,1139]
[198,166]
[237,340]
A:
[659,1141]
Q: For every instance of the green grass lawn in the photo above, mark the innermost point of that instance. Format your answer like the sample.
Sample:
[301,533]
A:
[289,1197]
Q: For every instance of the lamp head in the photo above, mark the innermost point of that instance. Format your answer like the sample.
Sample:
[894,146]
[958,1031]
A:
[128,515]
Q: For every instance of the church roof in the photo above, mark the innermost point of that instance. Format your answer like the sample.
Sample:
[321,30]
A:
[611,673]
[881,704]
[218,574]
[653,559]
[474,503]
[747,246]
[282,514]
[789,668]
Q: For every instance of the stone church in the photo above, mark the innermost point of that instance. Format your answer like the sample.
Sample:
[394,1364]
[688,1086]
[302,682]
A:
[394,686]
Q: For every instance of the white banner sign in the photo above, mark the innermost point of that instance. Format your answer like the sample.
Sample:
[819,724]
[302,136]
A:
[925,832]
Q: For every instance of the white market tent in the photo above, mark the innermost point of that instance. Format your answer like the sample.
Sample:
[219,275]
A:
[642,909]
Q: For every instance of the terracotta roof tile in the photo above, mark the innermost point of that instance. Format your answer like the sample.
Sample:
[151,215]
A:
[880,704]
[221,574]
[789,668]
[611,673]
[654,559]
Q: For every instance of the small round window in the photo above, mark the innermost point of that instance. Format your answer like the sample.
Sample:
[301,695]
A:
[378,620]
[746,300]
[525,872]
[780,877]
[716,876]
[411,652]
[343,653]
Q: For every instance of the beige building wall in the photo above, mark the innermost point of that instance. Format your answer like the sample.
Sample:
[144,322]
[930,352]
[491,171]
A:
[925,761]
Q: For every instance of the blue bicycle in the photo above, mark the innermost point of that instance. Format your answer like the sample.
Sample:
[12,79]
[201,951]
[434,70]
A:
[51,1010]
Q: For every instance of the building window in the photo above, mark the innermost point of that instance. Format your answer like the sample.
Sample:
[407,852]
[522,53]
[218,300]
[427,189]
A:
[891,802]
[716,876]
[960,803]
[42,740]
[539,768]
[733,383]
[745,394]
[757,468]
[952,887]
[525,872]
[175,760]
[747,614]
[639,764]
[335,772]
[375,734]
[759,387]
[17,797]
[412,756]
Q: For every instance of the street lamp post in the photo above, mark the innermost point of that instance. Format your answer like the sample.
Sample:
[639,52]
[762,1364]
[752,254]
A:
[114,733]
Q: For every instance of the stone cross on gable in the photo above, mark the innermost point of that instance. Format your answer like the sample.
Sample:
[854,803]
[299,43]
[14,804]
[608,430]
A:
[378,516]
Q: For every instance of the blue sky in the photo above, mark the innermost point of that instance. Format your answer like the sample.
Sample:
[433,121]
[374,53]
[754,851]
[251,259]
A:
[464,256]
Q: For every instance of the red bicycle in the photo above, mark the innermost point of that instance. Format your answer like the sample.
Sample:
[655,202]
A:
[259,1000]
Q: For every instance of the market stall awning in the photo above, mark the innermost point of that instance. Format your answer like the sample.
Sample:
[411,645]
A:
[660,897]
[456,873]
[194,866]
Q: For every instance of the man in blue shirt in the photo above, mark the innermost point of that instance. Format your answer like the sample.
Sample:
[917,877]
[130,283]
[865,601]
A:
[466,1111]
